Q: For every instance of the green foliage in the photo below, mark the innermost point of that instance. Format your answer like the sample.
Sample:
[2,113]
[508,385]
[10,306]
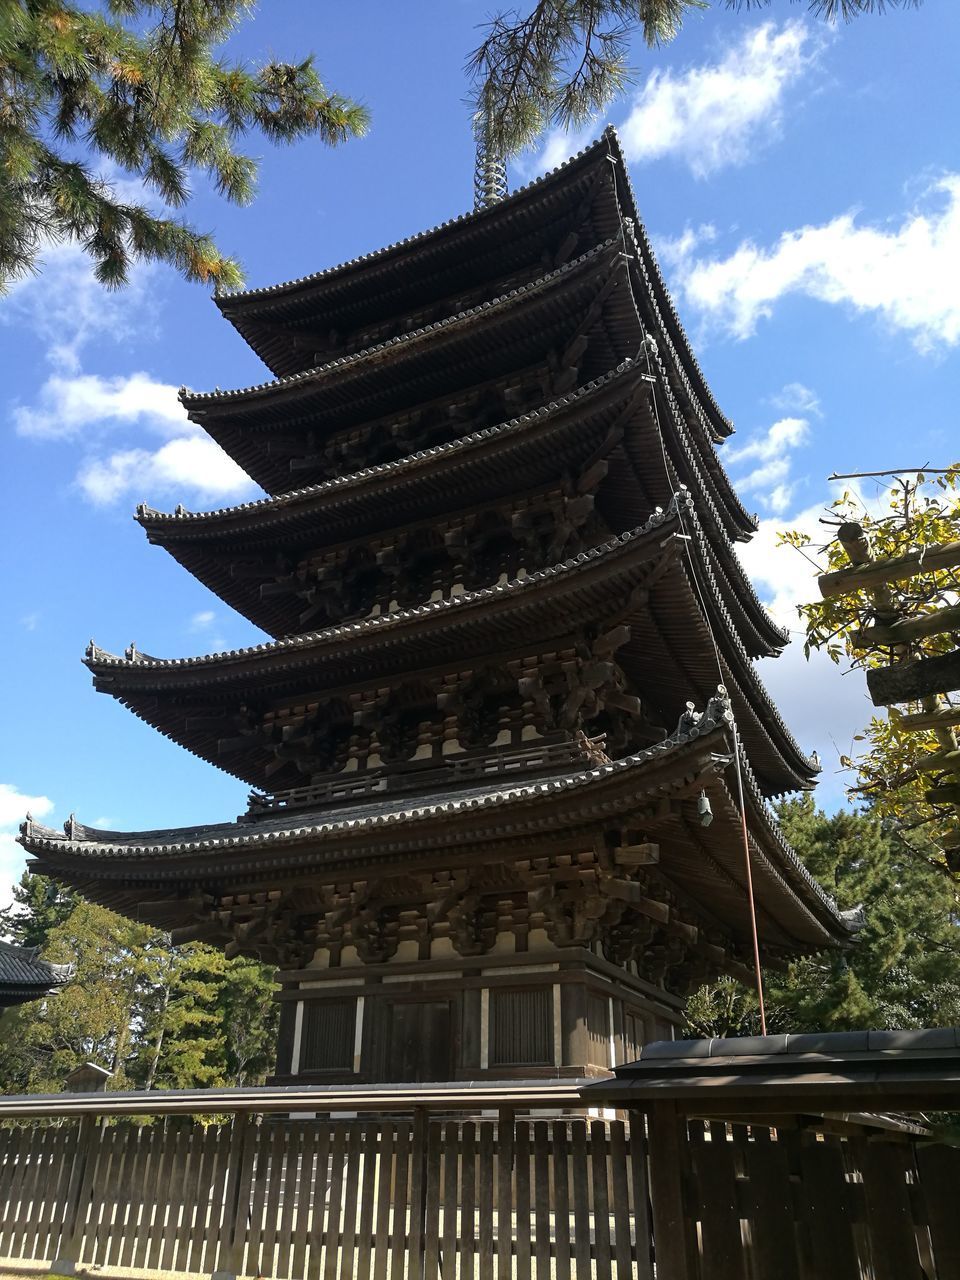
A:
[39,905]
[156,1015]
[922,512]
[134,88]
[903,971]
[565,60]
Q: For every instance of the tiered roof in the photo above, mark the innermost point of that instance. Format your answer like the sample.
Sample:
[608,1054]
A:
[24,976]
[523,359]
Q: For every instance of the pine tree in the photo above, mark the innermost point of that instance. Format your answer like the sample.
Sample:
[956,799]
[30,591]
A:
[902,971]
[566,60]
[135,88]
[39,905]
[156,1015]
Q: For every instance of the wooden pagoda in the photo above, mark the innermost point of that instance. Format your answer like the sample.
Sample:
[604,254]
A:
[493,826]
[24,976]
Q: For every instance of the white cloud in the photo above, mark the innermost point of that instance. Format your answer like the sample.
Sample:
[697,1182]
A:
[795,397]
[712,115]
[192,463]
[718,115]
[771,451]
[67,307]
[908,275]
[823,704]
[14,806]
[203,620]
[87,408]
[69,406]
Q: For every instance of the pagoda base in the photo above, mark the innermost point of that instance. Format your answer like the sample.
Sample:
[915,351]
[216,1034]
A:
[550,1011]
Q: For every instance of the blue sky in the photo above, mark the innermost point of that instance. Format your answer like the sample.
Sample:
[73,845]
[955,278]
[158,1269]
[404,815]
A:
[802,185]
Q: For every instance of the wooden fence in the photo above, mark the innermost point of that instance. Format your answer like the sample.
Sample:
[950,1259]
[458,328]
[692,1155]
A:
[365,1199]
[446,1196]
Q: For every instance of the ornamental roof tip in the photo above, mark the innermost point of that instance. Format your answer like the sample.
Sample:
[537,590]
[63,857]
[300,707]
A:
[390,621]
[400,339]
[224,298]
[450,448]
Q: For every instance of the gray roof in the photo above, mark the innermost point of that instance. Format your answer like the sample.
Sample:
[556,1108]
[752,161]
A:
[24,976]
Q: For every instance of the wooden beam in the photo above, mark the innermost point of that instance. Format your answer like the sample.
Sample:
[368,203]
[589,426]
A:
[637,855]
[947,793]
[938,760]
[940,718]
[911,681]
[928,624]
[844,582]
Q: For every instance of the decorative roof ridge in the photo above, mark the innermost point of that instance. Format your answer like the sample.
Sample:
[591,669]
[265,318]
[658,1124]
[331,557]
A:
[133,657]
[717,716]
[147,514]
[758,688]
[610,134]
[30,956]
[196,398]
[241,296]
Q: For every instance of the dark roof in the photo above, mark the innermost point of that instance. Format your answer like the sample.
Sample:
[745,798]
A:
[24,976]
[795,913]
[670,654]
[267,315]
[781,1073]
[502,460]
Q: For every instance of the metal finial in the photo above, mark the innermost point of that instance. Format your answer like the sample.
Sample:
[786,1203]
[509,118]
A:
[490,170]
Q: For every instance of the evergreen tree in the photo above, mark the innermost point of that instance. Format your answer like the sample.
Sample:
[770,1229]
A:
[565,60]
[135,88]
[158,1016]
[39,905]
[902,971]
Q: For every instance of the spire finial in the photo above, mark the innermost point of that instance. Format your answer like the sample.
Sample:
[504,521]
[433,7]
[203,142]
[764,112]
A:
[490,171]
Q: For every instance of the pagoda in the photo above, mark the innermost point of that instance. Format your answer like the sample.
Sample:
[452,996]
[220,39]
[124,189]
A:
[493,746]
[24,976]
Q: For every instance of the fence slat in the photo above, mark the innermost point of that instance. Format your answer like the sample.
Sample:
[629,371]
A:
[561,1198]
[939,1171]
[292,1180]
[468,1200]
[485,1196]
[402,1257]
[451,1188]
[600,1198]
[522,1197]
[640,1198]
[774,1238]
[431,1221]
[580,1173]
[331,1243]
[385,1183]
[318,1203]
[832,1246]
[541,1198]
[371,1159]
[889,1213]
[504,1148]
[620,1200]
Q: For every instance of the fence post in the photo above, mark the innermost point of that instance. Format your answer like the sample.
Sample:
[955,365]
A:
[77,1197]
[668,1152]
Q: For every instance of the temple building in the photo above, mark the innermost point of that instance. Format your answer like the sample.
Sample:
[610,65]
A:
[493,745]
[24,976]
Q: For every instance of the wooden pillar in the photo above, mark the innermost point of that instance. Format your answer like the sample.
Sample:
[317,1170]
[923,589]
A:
[673,1238]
